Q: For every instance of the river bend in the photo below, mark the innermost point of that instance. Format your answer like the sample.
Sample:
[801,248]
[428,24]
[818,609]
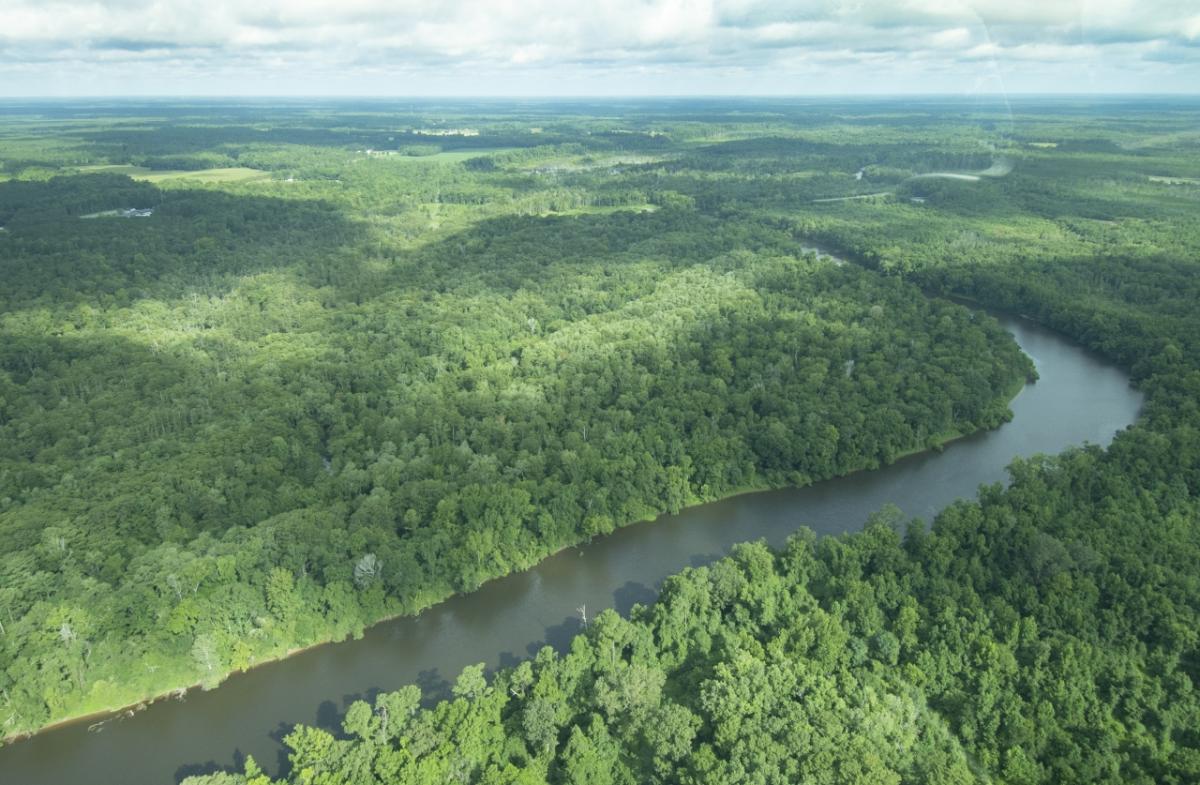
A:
[1079,398]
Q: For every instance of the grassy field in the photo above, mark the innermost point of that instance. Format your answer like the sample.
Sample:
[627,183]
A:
[1174,180]
[605,209]
[584,163]
[444,157]
[230,175]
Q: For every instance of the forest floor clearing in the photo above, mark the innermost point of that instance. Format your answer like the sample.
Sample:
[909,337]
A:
[221,175]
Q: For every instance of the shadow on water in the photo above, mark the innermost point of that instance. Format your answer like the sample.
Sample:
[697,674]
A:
[506,659]
[329,716]
[212,767]
[434,686]
[558,636]
[282,764]
[703,559]
[630,594]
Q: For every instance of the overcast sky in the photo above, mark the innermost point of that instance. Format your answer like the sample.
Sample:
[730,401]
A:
[596,47]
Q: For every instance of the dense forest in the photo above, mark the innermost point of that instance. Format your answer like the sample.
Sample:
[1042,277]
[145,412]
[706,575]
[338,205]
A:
[1045,633]
[248,422]
[392,365]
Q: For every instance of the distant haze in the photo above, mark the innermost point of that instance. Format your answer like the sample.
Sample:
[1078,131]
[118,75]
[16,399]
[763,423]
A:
[607,47]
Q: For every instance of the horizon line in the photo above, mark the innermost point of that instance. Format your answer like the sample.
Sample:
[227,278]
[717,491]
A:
[593,97]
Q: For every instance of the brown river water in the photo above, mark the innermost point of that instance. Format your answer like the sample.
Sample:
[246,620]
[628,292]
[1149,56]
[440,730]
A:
[1079,398]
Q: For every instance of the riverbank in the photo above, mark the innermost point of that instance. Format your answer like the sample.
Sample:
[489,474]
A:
[935,443]
[180,692]
[1079,398]
[139,702]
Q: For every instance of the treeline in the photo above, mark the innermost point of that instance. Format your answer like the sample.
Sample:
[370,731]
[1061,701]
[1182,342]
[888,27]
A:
[269,417]
[1045,633]
[64,198]
[247,424]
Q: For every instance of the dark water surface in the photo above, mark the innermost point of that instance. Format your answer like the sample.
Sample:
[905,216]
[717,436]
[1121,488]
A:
[1079,398]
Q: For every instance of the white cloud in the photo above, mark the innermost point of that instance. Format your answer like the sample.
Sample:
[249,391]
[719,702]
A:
[491,43]
[954,38]
[1191,28]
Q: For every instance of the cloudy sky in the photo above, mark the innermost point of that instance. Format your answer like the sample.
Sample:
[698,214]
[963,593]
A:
[600,47]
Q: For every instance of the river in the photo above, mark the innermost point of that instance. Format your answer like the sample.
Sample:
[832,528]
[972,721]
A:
[1079,398]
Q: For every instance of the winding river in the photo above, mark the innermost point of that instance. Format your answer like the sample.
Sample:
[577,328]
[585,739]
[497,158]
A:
[1079,398]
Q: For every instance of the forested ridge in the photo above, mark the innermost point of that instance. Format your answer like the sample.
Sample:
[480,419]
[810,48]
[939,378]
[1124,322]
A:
[258,420]
[481,355]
